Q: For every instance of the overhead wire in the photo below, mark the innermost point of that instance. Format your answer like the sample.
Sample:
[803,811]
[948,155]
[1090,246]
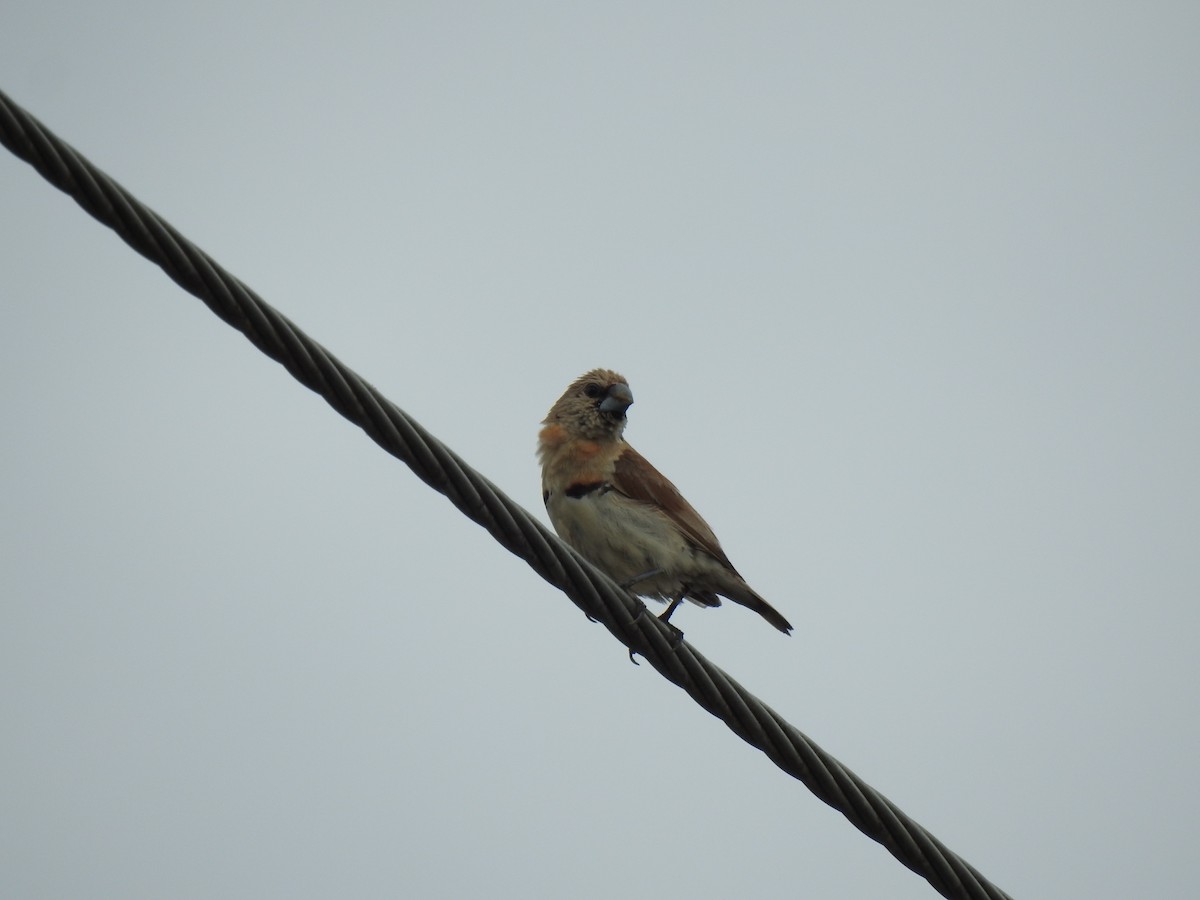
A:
[481,501]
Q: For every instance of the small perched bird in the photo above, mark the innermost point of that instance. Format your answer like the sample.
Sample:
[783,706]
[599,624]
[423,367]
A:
[622,514]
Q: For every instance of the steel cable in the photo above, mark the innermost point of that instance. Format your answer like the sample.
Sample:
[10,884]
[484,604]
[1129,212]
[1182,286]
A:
[481,501]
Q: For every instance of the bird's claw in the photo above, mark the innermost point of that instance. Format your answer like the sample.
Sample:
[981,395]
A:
[636,618]
[676,634]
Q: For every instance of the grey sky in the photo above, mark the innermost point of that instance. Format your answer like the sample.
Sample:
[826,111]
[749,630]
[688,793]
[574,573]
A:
[908,298]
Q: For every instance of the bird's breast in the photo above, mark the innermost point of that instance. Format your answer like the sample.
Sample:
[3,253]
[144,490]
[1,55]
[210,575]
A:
[620,536]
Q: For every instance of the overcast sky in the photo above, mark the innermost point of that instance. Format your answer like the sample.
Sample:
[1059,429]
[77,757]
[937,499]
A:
[909,299]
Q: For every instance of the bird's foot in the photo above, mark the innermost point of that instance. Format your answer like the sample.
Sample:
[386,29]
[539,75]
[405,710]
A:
[665,618]
[636,617]
[676,632]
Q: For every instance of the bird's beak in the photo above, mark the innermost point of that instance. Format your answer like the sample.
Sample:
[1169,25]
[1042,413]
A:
[618,399]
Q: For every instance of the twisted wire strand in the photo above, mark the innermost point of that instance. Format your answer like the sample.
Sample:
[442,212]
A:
[481,501]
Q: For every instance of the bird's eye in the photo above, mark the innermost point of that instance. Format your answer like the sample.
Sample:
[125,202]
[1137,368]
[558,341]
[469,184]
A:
[593,390]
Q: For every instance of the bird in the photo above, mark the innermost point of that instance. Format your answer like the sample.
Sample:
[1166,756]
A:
[623,515]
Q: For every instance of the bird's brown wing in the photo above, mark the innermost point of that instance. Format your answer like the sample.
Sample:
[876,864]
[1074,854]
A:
[634,477]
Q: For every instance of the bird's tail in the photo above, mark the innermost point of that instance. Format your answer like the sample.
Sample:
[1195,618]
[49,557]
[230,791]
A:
[746,596]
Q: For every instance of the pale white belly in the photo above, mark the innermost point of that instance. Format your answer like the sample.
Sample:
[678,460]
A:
[625,539]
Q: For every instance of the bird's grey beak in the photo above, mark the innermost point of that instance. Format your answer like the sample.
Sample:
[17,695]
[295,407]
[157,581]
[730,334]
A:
[618,398]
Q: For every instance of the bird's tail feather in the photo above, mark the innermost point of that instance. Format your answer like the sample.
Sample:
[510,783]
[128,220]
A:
[746,596]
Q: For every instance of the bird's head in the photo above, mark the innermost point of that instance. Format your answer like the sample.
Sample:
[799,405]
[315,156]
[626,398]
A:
[594,406]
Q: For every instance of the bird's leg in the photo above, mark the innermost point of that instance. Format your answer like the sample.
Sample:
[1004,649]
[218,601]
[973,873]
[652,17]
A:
[638,579]
[665,616]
